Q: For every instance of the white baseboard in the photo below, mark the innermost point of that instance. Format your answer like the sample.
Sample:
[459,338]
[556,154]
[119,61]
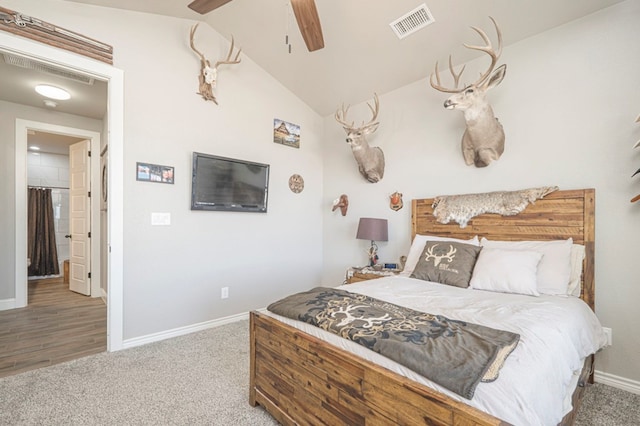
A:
[6,304]
[156,337]
[617,382]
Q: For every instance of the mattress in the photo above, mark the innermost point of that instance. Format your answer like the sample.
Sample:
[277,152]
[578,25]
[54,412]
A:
[535,384]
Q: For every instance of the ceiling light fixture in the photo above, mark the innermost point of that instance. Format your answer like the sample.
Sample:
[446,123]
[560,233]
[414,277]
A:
[53,92]
[34,148]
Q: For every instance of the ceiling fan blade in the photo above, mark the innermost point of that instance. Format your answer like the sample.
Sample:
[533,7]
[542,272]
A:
[206,6]
[309,23]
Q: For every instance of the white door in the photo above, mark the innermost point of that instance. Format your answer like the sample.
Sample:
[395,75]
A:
[79,218]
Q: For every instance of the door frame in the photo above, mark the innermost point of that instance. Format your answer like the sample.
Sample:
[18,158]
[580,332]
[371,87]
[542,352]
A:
[115,137]
[22,127]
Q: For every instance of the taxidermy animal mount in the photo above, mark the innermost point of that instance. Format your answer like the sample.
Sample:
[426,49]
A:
[342,203]
[209,74]
[483,139]
[370,159]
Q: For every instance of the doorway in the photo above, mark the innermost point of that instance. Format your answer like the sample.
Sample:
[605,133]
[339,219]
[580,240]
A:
[115,130]
[50,166]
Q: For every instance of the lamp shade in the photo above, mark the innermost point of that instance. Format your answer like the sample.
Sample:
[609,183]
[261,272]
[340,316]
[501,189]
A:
[372,229]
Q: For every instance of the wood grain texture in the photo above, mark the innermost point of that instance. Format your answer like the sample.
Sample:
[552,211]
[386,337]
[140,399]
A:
[301,380]
[33,28]
[58,325]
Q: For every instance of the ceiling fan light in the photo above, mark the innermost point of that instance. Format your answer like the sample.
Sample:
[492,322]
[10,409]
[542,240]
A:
[52,92]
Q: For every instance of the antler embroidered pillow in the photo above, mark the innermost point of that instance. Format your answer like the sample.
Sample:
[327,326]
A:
[447,263]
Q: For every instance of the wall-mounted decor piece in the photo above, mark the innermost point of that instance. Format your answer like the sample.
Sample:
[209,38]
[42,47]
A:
[209,74]
[341,203]
[286,133]
[462,208]
[147,172]
[395,201]
[483,139]
[44,32]
[370,159]
[296,183]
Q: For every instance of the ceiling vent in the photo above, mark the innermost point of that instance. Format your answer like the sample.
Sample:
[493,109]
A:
[413,21]
[20,61]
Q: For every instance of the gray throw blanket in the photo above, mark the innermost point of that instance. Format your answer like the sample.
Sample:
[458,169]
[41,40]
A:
[455,354]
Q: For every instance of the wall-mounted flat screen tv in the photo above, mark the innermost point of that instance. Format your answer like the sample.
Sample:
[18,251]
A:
[228,184]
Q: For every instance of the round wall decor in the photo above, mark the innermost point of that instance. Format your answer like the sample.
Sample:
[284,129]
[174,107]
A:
[296,183]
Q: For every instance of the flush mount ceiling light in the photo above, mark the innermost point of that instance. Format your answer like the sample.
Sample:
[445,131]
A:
[34,148]
[53,92]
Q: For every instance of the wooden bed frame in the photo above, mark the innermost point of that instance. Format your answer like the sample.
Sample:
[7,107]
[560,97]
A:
[300,379]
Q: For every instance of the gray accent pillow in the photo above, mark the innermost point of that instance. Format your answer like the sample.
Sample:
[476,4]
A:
[447,262]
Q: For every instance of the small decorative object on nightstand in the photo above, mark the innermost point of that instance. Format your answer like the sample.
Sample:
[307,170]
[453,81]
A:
[355,274]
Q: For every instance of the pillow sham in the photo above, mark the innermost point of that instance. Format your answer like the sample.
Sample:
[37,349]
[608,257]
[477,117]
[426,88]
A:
[554,269]
[417,247]
[447,262]
[577,256]
[506,271]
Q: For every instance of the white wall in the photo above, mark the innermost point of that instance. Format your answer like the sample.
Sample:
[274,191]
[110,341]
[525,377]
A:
[568,105]
[173,274]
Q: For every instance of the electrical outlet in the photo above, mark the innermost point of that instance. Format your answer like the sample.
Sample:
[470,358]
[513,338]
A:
[224,293]
[609,333]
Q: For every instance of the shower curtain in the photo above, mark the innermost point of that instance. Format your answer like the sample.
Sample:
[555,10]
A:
[41,245]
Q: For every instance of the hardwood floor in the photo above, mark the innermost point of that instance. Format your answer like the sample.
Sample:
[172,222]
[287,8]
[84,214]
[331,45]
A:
[58,325]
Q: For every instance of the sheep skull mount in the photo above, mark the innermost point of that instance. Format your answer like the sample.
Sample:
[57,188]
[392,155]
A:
[370,159]
[209,74]
[395,201]
[342,203]
[483,139]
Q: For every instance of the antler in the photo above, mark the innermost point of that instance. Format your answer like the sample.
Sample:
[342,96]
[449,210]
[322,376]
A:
[488,49]
[193,46]
[228,60]
[341,115]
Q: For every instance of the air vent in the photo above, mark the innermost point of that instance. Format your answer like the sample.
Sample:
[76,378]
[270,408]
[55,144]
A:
[23,62]
[413,21]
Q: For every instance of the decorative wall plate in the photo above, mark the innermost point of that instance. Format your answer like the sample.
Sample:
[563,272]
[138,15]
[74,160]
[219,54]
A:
[296,183]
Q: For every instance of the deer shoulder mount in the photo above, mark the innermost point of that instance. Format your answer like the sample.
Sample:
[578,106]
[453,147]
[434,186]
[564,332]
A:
[209,74]
[483,139]
[370,159]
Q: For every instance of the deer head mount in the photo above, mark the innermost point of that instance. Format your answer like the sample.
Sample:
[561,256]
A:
[209,74]
[483,139]
[370,159]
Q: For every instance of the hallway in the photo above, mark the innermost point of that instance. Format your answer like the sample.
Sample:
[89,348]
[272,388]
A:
[57,326]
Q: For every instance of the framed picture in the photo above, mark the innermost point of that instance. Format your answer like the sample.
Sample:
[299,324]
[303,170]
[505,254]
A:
[146,172]
[286,133]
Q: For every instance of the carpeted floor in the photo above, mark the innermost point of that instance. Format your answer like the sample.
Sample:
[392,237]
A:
[197,379]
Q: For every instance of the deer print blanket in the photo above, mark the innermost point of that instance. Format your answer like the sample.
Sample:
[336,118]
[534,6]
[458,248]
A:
[455,354]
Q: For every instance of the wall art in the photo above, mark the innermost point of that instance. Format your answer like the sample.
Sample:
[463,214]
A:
[286,133]
[147,172]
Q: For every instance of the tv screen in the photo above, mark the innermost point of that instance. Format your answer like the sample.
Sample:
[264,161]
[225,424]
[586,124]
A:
[228,184]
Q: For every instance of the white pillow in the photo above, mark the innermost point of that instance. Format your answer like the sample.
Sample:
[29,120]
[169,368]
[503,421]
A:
[555,267]
[577,256]
[506,271]
[417,246]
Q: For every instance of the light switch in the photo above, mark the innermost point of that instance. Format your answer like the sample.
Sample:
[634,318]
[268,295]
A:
[161,219]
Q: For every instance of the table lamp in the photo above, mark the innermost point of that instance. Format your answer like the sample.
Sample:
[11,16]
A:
[373,230]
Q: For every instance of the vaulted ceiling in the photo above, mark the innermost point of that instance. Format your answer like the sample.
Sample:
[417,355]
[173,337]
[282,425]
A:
[362,54]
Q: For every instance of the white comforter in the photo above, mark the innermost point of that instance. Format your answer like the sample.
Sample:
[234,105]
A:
[538,378]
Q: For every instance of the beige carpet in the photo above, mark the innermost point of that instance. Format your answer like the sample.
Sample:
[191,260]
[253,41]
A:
[198,379]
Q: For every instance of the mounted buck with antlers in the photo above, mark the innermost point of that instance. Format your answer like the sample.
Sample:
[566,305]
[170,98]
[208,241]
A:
[483,139]
[209,74]
[370,159]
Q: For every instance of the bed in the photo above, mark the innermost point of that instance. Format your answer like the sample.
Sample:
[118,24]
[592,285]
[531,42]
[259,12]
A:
[301,376]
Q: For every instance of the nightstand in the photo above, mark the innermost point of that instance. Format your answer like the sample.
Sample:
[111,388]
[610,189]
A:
[355,275]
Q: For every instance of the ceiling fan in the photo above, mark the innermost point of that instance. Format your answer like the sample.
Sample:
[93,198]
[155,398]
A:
[305,11]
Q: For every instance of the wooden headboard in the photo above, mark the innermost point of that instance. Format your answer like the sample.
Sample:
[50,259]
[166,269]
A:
[559,215]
